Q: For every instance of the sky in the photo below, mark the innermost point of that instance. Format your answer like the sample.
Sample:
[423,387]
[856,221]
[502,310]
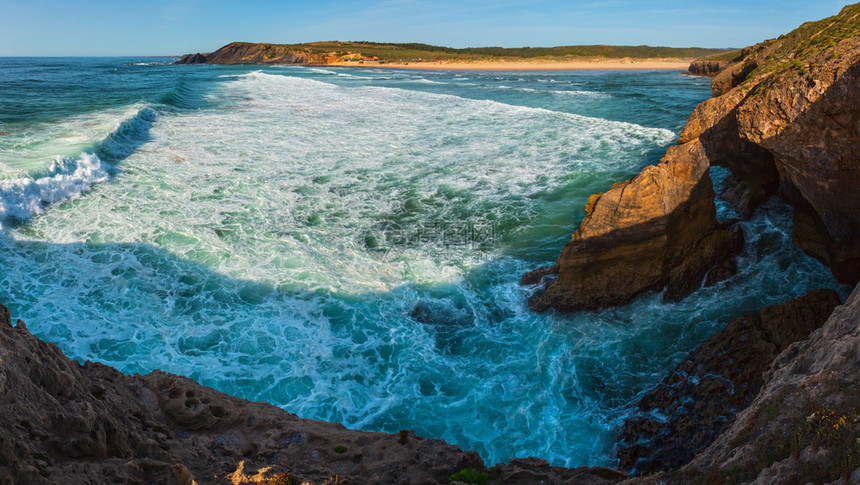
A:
[175,27]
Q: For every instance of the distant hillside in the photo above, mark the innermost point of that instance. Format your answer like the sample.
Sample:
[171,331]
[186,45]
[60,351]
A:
[334,51]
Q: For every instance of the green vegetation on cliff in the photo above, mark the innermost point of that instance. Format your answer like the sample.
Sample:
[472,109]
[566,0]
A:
[723,56]
[793,52]
[410,51]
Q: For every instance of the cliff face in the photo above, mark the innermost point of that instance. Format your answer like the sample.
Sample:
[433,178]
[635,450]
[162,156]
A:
[785,118]
[804,424]
[247,53]
[656,230]
[690,407]
[796,99]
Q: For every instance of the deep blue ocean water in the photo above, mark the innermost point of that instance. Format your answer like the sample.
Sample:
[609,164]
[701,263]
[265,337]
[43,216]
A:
[347,243]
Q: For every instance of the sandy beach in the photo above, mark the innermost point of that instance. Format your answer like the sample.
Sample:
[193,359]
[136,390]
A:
[537,65]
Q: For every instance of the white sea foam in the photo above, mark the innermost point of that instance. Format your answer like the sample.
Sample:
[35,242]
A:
[239,246]
[25,197]
[427,81]
[328,72]
[571,92]
[65,177]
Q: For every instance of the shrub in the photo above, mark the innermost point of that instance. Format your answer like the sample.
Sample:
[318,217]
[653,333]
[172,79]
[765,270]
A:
[470,475]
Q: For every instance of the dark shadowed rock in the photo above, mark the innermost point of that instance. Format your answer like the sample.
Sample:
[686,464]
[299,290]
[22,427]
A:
[527,471]
[742,196]
[707,67]
[5,316]
[804,424]
[696,401]
[192,59]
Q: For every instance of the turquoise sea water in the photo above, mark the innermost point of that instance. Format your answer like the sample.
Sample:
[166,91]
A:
[347,243]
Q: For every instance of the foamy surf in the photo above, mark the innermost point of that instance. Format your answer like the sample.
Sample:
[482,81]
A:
[67,177]
[350,247]
[22,198]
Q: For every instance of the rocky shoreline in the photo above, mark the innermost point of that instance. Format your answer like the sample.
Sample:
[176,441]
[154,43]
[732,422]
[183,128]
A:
[756,400]
[773,398]
[64,422]
[691,406]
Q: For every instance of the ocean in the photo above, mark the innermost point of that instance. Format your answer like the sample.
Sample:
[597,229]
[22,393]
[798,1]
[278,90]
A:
[347,243]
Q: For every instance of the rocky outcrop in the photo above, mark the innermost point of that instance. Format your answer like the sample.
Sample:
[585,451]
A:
[796,97]
[657,230]
[742,196]
[248,53]
[697,400]
[803,425]
[192,59]
[63,422]
[784,119]
[707,67]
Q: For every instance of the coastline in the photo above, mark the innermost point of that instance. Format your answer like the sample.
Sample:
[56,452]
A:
[485,65]
[770,398]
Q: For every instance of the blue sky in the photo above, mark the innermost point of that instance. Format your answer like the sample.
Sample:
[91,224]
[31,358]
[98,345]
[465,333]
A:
[172,27]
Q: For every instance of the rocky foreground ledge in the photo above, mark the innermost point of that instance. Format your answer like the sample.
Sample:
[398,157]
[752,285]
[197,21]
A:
[66,423]
[803,426]
[716,419]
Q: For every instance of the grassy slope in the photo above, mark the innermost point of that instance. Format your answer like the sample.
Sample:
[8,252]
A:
[723,56]
[794,48]
[398,52]
[809,39]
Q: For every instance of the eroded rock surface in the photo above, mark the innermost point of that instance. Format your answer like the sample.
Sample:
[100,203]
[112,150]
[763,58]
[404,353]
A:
[707,67]
[656,230]
[803,425]
[785,117]
[695,402]
[796,98]
[67,423]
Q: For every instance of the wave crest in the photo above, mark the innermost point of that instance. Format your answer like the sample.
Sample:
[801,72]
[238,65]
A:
[67,177]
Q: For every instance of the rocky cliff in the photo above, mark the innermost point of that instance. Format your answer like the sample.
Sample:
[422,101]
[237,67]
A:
[656,230]
[784,118]
[803,425]
[707,67]
[796,98]
[247,53]
[691,406]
